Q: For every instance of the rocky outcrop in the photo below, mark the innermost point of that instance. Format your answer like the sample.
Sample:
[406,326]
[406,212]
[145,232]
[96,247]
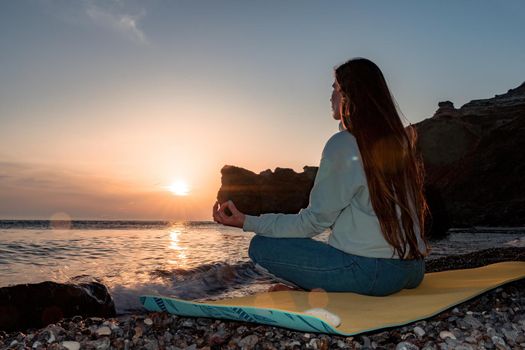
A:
[280,191]
[474,158]
[36,305]
[446,108]
[474,163]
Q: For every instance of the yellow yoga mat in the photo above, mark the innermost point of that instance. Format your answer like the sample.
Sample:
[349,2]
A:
[358,313]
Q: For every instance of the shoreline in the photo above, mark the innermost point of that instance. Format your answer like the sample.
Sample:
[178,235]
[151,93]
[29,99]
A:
[492,320]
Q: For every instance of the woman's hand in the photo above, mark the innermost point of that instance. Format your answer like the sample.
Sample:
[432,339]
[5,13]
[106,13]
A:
[219,216]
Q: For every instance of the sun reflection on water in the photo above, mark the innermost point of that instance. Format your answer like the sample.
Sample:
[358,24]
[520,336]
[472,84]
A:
[175,244]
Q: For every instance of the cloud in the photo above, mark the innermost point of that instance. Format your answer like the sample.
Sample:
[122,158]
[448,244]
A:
[125,24]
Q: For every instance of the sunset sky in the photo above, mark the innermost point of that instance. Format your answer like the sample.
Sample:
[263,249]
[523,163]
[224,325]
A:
[106,105]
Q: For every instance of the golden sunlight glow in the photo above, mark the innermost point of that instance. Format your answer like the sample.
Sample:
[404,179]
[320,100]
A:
[175,245]
[179,188]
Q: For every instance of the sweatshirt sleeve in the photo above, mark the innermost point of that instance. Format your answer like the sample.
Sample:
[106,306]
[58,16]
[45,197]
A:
[335,184]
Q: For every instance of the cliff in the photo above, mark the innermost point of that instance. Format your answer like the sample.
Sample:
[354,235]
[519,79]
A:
[474,157]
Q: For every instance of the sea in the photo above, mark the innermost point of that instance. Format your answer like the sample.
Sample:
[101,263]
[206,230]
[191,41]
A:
[194,260]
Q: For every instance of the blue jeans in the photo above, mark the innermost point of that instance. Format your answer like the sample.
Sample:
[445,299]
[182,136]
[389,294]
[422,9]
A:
[310,264]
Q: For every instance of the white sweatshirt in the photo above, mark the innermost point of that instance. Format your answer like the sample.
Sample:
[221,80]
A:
[339,201]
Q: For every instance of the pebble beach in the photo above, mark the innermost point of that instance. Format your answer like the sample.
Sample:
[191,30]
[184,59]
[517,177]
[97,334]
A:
[492,320]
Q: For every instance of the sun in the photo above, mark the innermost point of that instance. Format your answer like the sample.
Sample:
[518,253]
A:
[179,188]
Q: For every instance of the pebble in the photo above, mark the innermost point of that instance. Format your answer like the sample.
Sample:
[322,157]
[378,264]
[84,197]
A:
[100,344]
[241,329]
[148,321]
[249,341]
[313,343]
[446,334]
[366,341]
[510,334]
[188,323]
[219,337]
[470,339]
[51,338]
[138,332]
[104,330]
[419,331]
[71,345]
[151,344]
[463,347]
[404,345]
[472,321]
[499,342]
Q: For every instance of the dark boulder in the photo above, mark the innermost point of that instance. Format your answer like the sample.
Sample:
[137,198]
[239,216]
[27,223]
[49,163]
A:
[36,305]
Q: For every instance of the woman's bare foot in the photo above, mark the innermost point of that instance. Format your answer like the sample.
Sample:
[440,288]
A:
[281,287]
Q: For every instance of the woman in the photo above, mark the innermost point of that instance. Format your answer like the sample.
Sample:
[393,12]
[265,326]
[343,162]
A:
[368,190]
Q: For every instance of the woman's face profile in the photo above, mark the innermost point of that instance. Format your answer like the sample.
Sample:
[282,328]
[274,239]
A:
[336,101]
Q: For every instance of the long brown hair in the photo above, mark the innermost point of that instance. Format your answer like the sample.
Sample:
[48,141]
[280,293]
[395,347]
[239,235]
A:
[394,170]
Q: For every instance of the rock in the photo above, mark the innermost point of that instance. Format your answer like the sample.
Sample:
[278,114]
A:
[148,321]
[472,321]
[446,109]
[313,343]
[100,344]
[419,331]
[484,135]
[188,323]
[511,335]
[463,347]
[249,341]
[520,338]
[404,345]
[37,305]
[429,347]
[151,344]
[366,341]
[241,330]
[219,337]
[499,343]
[446,334]
[283,190]
[491,332]
[292,343]
[71,345]
[104,330]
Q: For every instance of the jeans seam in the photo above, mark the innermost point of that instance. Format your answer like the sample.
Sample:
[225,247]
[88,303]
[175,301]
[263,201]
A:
[304,267]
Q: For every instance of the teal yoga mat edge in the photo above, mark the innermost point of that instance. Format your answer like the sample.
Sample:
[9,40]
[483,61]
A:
[148,301]
[288,319]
